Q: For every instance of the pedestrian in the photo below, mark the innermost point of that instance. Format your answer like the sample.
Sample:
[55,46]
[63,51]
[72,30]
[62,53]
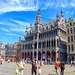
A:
[21,66]
[17,69]
[39,70]
[71,62]
[62,66]
[33,67]
[57,67]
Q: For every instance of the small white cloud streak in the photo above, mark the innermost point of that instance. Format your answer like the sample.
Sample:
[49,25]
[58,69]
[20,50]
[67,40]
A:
[4,29]
[18,5]
[11,34]
[69,13]
[6,23]
[16,25]
[73,3]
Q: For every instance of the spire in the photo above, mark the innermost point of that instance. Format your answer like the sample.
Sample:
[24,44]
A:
[57,15]
[61,13]
[38,17]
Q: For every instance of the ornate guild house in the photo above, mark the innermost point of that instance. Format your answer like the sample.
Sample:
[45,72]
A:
[46,40]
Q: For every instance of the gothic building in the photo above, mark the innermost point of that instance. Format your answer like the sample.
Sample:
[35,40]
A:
[70,39]
[46,40]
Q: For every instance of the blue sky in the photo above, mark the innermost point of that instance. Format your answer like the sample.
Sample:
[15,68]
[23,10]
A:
[16,15]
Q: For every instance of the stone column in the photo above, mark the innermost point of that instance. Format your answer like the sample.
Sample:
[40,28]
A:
[56,47]
[50,50]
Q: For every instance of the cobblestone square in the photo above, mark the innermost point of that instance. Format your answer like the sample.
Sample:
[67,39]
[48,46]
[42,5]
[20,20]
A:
[9,69]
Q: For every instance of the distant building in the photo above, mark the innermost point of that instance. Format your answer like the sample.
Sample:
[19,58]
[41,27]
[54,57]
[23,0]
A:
[71,39]
[0,48]
[47,40]
[3,51]
[11,50]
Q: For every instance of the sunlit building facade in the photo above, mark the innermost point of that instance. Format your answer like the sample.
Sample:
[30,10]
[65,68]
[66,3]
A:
[71,39]
[47,40]
[11,50]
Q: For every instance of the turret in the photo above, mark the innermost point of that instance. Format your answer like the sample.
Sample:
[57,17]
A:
[38,17]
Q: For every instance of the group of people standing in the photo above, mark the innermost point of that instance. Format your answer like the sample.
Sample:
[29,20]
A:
[59,67]
[36,67]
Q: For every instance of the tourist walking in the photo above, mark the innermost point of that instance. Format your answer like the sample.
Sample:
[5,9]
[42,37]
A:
[71,62]
[33,67]
[21,66]
[57,67]
[62,66]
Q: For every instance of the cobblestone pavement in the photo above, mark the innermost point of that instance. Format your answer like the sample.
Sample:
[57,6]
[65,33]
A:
[9,69]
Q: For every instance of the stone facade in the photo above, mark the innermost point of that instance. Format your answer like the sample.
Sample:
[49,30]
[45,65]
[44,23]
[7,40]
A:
[46,40]
[11,50]
[71,39]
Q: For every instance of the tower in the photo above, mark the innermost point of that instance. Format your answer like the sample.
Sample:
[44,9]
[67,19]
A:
[38,23]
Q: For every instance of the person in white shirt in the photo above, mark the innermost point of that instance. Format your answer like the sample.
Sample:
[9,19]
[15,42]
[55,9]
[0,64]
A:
[39,70]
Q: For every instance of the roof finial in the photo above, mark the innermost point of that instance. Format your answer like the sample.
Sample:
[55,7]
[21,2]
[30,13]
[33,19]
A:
[38,11]
[61,13]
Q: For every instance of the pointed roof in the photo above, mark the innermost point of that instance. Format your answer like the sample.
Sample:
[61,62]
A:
[61,13]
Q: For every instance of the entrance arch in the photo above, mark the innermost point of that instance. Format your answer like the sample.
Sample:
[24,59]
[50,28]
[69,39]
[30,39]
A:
[25,55]
[53,55]
[48,54]
[34,55]
[22,54]
[31,55]
[43,55]
[39,55]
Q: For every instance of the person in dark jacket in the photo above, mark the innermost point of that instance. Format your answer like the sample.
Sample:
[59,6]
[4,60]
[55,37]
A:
[34,67]
[62,66]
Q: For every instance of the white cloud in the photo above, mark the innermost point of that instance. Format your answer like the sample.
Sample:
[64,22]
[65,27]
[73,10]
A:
[11,34]
[18,5]
[33,5]
[69,13]
[57,3]
[15,25]
[4,29]
[6,23]
[22,23]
